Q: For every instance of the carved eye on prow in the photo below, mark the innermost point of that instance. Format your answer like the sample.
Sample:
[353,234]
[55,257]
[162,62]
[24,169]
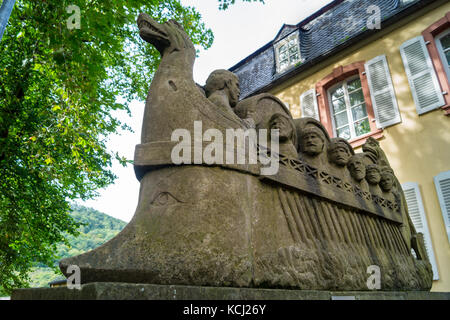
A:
[173,85]
[164,199]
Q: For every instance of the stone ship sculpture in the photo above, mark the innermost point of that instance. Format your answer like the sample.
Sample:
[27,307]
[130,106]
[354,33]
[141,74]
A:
[317,223]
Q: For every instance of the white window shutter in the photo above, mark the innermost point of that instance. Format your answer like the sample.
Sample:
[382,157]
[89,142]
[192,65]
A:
[308,104]
[417,214]
[382,92]
[442,184]
[422,78]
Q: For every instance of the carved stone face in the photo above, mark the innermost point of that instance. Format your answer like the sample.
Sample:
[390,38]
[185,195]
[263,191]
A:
[339,155]
[312,143]
[373,175]
[281,123]
[224,81]
[233,91]
[371,146]
[387,181]
[357,168]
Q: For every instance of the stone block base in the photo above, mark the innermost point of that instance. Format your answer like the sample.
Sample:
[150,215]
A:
[134,291]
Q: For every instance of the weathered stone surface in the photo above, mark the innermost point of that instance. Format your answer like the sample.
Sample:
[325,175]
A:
[313,225]
[131,291]
[192,226]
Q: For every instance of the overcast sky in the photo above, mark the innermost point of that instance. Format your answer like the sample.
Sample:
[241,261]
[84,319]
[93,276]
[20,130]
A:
[238,31]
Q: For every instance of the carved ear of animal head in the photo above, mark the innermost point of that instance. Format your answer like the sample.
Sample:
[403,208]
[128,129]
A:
[168,35]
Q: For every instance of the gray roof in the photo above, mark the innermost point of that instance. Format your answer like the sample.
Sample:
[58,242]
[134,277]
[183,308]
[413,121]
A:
[332,28]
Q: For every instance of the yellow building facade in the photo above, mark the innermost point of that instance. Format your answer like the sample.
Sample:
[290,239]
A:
[417,143]
[418,147]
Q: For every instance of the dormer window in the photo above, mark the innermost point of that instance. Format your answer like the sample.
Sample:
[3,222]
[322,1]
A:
[287,52]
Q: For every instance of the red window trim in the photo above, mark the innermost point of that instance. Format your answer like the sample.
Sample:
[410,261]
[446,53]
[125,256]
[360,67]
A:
[339,74]
[429,34]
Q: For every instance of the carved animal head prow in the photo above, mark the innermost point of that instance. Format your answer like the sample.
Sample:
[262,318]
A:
[167,37]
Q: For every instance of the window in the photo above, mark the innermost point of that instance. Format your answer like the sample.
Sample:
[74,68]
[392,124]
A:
[442,184]
[421,74]
[436,38]
[443,44]
[417,214]
[357,101]
[348,109]
[345,105]
[287,52]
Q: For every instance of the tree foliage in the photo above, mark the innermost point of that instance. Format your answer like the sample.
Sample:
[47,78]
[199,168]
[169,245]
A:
[58,88]
[96,229]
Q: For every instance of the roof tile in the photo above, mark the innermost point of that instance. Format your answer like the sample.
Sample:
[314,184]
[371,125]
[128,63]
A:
[318,37]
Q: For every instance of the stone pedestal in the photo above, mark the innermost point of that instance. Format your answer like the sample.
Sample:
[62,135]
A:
[135,291]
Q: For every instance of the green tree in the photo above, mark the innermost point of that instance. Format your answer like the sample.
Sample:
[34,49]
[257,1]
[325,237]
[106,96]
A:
[58,88]
[96,229]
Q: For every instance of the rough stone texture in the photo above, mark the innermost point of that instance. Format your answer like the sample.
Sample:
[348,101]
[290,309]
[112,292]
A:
[130,291]
[187,235]
[306,227]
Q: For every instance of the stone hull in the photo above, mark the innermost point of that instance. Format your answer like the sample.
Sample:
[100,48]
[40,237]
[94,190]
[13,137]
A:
[210,226]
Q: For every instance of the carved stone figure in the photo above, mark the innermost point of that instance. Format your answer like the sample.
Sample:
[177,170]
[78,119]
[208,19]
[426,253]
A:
[222,88]
[387,183]
[373,151]
[313,142]
[376,155]
[373,177]
[287,134]
[229,224]
[357,170]
[339,152]
[260,108]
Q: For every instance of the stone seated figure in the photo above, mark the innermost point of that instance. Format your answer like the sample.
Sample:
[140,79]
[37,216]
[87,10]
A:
[373,177]
[256,111]
[230,225]
[387,183]
[313,141]
[312,145]
[357,171]
[222,88]
[339,152]
[287,134]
